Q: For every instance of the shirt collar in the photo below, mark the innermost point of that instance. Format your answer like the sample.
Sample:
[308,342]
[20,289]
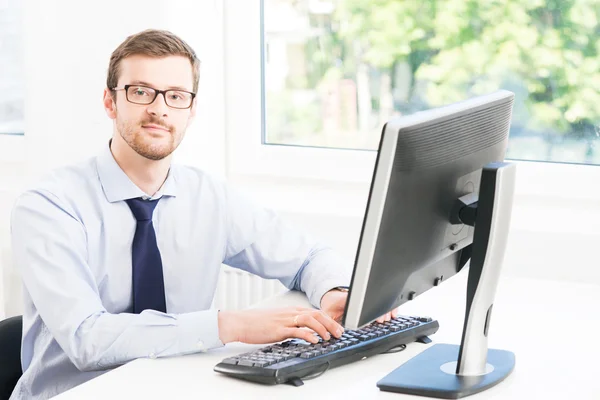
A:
[116,184]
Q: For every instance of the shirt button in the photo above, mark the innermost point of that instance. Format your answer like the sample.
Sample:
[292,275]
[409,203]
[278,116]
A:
[200,344]
[152,356]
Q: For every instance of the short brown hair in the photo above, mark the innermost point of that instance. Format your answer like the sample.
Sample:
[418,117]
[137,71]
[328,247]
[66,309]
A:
[151,43]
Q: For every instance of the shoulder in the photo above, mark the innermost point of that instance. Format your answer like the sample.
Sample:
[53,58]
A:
[196,180]
[64,187]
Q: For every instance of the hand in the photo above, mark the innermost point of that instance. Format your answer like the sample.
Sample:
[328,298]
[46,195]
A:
[388,316]
[334,302]
[274,325]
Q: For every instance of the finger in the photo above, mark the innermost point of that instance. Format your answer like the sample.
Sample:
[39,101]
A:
[310,322]
[380,319]
[388,317]
[301,333]
[395,313]
[329,323]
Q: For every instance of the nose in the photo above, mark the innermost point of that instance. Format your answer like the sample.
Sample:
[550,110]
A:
[159,106]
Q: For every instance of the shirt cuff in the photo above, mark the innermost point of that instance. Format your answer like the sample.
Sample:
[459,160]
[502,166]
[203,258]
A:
[315,297]
[199,331]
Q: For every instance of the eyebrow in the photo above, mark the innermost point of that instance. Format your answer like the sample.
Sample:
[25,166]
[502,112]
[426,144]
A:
[143,83]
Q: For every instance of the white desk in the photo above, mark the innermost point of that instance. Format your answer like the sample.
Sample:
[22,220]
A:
[552,327]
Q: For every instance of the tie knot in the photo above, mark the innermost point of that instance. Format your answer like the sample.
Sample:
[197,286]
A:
[142,209]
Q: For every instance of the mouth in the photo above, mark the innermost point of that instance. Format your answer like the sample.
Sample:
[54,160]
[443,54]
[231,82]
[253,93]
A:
[155,128]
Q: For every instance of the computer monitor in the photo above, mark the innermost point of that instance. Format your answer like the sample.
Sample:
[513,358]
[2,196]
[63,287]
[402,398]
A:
[440,196]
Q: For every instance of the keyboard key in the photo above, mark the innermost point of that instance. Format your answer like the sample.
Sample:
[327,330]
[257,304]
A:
[248,363]
[298,342]
[231,360]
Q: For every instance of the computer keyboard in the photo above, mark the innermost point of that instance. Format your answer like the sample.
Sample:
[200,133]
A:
[296,359]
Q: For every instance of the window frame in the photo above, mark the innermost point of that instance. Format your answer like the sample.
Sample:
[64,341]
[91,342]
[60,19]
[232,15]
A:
[244,93]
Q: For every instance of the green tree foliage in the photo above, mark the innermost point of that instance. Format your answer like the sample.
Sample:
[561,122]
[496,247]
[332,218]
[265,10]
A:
[546,51]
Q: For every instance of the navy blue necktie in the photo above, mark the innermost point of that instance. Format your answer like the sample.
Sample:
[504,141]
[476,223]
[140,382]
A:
[147,277]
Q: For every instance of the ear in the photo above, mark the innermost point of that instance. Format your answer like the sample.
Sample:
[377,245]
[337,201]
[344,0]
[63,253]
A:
[109,104]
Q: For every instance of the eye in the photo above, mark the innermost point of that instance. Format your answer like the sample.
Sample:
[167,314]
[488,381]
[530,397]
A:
[176,96]
[140,92]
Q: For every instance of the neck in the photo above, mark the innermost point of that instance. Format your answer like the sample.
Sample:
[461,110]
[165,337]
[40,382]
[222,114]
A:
[148,175]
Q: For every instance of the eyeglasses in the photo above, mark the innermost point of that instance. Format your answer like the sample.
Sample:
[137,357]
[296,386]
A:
[174,98]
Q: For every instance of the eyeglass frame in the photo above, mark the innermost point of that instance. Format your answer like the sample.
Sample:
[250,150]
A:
[157,92]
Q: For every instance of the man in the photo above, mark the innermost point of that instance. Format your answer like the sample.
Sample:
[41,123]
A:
[120,255]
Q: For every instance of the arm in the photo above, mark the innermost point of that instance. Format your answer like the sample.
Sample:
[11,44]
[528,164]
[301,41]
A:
[50,250]
[262,243]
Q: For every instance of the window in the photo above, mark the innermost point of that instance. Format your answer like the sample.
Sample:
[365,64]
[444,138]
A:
[335,70]
[12,119]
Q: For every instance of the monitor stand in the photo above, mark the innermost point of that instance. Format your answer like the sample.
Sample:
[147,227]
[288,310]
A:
[450,371]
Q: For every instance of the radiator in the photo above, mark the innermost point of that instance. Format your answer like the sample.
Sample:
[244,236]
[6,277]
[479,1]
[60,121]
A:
[239,289]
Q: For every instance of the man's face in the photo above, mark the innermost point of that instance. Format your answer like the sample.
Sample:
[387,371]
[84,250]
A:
[153,130]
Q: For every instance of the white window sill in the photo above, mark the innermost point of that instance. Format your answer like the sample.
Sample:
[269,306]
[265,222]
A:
[550,198]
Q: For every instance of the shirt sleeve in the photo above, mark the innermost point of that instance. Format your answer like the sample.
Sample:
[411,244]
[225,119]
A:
[50,251]
[261,242]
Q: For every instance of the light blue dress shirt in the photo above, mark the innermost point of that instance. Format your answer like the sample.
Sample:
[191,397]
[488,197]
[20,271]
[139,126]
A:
[72,236]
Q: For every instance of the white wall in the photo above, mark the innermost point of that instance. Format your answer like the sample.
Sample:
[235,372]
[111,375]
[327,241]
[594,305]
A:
[67,49]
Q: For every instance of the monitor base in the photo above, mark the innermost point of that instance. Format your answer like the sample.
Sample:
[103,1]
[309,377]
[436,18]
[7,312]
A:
[432,374]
